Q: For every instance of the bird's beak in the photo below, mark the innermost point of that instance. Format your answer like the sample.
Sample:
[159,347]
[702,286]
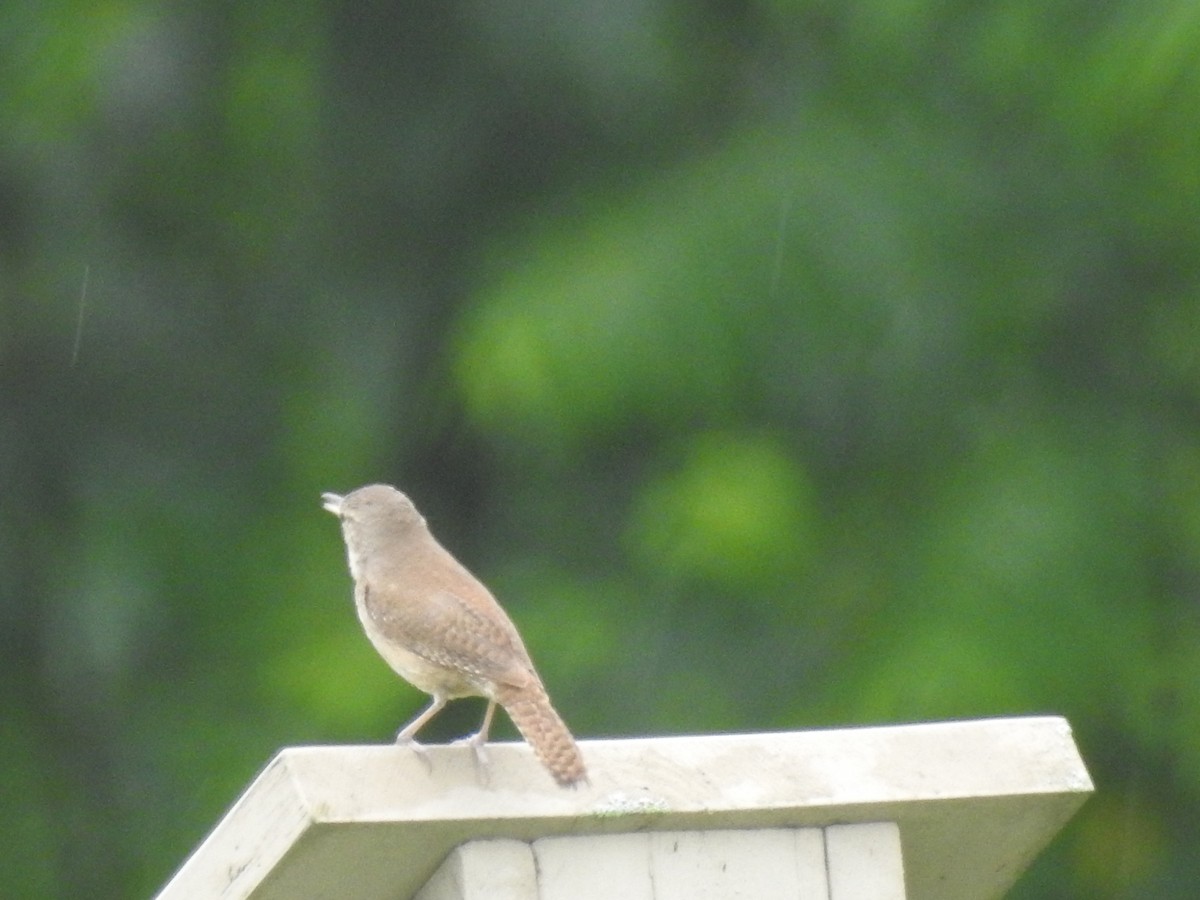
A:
[333,503]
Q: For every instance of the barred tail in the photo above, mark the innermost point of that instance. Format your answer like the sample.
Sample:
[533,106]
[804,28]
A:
[529,708]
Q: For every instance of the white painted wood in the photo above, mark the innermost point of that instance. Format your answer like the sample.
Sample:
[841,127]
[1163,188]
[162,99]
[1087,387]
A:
[865,862]
[812,880]
[595,867]
[974,802]
[484,870]
[758,864]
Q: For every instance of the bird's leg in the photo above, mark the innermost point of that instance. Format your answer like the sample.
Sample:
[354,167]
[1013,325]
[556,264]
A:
[477,741]
[409,731]
[407,735]
[479,738]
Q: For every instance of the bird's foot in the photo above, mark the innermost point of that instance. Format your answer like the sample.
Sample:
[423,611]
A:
[477,742]
[407,740]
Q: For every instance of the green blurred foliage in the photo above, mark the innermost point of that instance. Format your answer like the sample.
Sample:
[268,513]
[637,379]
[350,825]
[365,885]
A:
[779,364]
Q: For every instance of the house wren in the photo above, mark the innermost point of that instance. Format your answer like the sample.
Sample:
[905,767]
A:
[440,628]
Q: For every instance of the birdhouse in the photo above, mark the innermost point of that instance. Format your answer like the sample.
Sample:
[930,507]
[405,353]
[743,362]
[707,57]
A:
[940,811]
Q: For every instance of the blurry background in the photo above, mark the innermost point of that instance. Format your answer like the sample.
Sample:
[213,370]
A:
[778,364]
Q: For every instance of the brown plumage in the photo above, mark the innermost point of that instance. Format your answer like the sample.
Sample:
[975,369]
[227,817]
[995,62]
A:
[440,628]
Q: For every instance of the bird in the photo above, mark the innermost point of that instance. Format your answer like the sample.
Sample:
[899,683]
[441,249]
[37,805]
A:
[441,630]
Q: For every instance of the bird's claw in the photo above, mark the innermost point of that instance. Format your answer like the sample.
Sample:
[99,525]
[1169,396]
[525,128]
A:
[477,743]
[406,740]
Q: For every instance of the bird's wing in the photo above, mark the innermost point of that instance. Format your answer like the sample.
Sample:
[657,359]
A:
[447,630]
